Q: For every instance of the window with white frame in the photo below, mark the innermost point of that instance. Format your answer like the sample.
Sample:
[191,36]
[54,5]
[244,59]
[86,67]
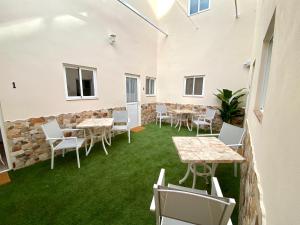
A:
[150,86]
[264,72]
[196,6]
[265,78]
[80,82]
[194,85]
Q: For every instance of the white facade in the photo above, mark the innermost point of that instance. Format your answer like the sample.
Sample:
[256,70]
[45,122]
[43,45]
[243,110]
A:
[274,133]
[212,43]
[37,38]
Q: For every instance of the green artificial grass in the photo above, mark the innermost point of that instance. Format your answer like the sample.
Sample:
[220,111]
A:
[113,190]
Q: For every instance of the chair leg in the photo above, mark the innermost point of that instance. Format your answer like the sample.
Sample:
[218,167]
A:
[197,129]
[171,121]
[52,159]
[156,120]
[210,128]
[78,160]
[85,142]
[129,136]
[160,122]
[1,160]
[63,153]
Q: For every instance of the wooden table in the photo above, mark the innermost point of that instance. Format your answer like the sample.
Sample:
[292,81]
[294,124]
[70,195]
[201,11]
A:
[204,150]
[105,124]
[183,114]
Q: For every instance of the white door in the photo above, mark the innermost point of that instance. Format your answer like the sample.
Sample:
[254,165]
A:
[5,163]
[132,100]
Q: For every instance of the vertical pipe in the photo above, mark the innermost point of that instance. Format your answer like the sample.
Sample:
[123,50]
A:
[236,9]
[141,16]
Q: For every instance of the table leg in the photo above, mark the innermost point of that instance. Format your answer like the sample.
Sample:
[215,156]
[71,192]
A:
[103,137]
[187,124]
[186,175]
[92,142]
[194,175]
[213,170]
[177,123]
[180,122]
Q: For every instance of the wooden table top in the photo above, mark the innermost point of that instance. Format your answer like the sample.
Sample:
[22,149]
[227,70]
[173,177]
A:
[205,150]
[96,122]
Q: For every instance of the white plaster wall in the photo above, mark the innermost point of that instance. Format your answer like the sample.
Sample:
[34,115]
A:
[37,37]
[276,139]
[212,43]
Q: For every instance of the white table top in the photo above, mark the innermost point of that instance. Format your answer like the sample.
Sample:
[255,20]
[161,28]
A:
[96,122]
[205,150]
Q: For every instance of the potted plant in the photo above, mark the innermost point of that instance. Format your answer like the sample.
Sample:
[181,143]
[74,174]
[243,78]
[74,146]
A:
[230,106]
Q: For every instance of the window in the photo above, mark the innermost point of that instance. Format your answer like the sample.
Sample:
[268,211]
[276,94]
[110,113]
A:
[131,89]
[264,72]
[193,86]
[196,6]
[80,82]
[150,86]
[265,79]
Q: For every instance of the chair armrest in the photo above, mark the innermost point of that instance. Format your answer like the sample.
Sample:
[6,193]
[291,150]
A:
[216,191]
[71,129]
[54,139]
[235,145]
[208,135]
[62,138]
[161,182]
[152,206]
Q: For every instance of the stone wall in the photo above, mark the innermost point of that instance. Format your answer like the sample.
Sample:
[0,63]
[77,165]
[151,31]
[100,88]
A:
[250,211]
[148,113]
[27,141]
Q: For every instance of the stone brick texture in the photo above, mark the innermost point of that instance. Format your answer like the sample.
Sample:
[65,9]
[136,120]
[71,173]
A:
[250,211]
[27,141]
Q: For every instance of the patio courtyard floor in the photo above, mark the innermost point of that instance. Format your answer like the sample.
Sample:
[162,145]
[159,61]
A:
[113,190]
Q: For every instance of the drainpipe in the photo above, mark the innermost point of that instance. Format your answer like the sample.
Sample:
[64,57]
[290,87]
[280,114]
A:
[236,9]
[142,16]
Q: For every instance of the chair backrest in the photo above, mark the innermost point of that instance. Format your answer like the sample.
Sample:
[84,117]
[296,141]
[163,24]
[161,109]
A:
[231,135]
[52,130]
[190,207]
[120,116]
[210,114]
[161,108]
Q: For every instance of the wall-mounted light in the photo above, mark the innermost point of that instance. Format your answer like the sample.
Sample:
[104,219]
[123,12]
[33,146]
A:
[112,38]
[247,63]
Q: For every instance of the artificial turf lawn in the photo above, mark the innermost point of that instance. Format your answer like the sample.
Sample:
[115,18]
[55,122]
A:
[113,190]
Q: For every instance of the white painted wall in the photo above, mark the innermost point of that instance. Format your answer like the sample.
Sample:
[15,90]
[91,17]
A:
[37,37]
[275,140]
[212,43]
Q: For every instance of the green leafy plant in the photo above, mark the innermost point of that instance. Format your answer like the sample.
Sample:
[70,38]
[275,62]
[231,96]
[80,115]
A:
[230,106]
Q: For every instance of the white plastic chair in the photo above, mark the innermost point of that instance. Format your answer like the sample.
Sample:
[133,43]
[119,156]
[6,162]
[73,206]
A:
[232,136]
[205,120]
[122,122]
[57,140]
[176,205]
[162,114]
